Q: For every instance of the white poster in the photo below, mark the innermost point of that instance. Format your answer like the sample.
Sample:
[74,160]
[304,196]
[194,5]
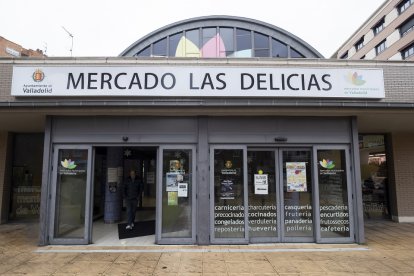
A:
[172,182]
[296,176]
[112,174]
[182,189]
[261,184]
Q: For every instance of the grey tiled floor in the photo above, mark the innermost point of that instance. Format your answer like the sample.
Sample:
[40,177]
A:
[390,252]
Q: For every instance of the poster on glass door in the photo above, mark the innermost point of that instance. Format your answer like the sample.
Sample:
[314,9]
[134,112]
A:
[296,176]
[261,186]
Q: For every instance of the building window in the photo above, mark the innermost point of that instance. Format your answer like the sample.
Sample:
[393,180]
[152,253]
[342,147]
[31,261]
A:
[408,52]
[227,35]
[261,45]
[159,48]
[374,176]
[174,40]
[279,49]
[380,48]
[407,26]
[404,5]
[359,44]
[145,52]
[295,54]
[244,43]
[379,26]
[344,56]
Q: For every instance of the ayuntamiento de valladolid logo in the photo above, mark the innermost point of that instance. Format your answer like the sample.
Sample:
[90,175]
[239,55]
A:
[38,87]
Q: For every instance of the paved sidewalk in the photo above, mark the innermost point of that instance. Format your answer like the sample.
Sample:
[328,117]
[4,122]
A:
[389,251]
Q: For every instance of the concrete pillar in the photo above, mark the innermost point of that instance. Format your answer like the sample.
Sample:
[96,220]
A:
[203,184]
[403,178]
[113,187]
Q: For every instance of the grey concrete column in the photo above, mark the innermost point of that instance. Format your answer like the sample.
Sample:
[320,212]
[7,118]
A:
[203,183]
[44,220]
[357,189]
[113,191]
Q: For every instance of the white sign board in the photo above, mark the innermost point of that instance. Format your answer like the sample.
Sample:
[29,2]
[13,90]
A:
[261,184]
[182,189]
[196,81]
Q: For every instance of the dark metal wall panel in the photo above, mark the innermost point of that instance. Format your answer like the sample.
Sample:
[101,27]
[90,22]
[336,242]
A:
[148,130]
[265,130]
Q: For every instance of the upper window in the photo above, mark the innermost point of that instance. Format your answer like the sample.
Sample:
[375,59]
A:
[221,36]
[380,48]
[407,26]
[408,51]
[405,4]
[359,44]
[345,55]
[295,54]
[279,49]
[159,48]
[212,42]
[379,26]
[261,45]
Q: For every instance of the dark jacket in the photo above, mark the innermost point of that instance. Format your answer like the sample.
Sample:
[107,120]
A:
[133,188]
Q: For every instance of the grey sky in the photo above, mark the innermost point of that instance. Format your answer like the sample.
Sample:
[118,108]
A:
[107,27]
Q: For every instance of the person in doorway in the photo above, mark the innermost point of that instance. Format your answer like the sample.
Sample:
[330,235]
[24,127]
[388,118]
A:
[132,192]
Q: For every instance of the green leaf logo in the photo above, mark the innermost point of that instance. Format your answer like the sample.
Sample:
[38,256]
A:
[68,164]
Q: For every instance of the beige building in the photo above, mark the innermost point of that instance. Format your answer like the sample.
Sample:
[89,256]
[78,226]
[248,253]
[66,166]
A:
[386,35]
[11,49]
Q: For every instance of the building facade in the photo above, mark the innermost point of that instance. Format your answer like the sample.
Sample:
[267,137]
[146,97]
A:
[232,150]
[11,49]
[385,35]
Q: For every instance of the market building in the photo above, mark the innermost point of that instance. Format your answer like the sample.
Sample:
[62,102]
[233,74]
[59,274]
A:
[241,131]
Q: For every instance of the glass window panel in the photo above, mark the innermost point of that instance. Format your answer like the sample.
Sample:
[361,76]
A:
[374,176]
[227,35]
[261,41]
[209,48]
[333,194]
[159,48]
[279,49]
[193,36]
[208,33]
[262,194]
[228,194]
[71,193]
[261,53]
[26,176]
[145,52]
[297,189]
[407,26]
[243,40]
[295,54]
[192,47]
[176,194]
[174,40]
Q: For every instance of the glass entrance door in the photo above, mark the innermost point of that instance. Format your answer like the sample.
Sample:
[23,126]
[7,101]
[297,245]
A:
[280,200]
[228,195]
[71,193]
[176,194]
[297,195]
[335,195]
[263,193]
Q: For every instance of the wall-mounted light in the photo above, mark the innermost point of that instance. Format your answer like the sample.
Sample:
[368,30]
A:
[281,139]
[125,138]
